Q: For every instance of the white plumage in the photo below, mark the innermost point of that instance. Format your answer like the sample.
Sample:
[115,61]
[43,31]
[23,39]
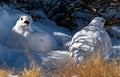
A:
[92,38]
[31,38]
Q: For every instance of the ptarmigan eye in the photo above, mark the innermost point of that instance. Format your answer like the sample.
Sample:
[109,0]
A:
[102,21]
[21,18]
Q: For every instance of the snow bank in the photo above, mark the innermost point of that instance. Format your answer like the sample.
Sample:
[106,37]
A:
[115,31]
[13,57]
[19,58]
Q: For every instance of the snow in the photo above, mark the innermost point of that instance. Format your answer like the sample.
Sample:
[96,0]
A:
[61,35]
[114,12]
[21,58]
[9,75]
[12,57]
[115,31]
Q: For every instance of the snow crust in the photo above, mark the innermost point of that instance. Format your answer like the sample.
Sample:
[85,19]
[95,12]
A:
[21,58]
[11,56]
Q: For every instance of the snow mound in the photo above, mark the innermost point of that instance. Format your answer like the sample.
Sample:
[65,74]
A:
[115,31]
[90,39]
[13,57]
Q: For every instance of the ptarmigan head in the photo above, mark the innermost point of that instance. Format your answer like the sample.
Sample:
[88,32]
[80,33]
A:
[97,21]
[23,25]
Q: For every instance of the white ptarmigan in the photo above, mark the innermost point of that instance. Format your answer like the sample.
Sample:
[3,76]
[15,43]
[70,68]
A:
[26,36]
[92,38]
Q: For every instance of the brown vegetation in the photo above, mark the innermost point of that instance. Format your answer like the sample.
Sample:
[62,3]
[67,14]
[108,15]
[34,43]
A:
[95,67]
[3,73]
[32,72]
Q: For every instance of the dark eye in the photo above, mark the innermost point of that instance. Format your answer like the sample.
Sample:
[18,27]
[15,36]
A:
[21,18]
[102,21]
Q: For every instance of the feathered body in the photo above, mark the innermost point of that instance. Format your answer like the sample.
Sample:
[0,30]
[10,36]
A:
[92,38]
[27,37]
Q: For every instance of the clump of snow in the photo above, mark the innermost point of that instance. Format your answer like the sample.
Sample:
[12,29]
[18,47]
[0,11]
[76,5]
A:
[61,35]
[9,75]
[114,12]
[115,31]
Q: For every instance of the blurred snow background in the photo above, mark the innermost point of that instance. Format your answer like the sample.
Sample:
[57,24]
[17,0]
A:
[21,58]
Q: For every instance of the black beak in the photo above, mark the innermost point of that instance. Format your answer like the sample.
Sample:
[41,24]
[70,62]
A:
[27,22]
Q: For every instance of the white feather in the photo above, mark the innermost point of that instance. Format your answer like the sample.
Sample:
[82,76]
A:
[31,38]
[92,38]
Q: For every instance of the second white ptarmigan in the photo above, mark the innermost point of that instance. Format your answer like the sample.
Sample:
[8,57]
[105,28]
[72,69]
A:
[26,36]
[92,38]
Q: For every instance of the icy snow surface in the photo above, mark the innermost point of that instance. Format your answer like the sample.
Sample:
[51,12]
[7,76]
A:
[20,58]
